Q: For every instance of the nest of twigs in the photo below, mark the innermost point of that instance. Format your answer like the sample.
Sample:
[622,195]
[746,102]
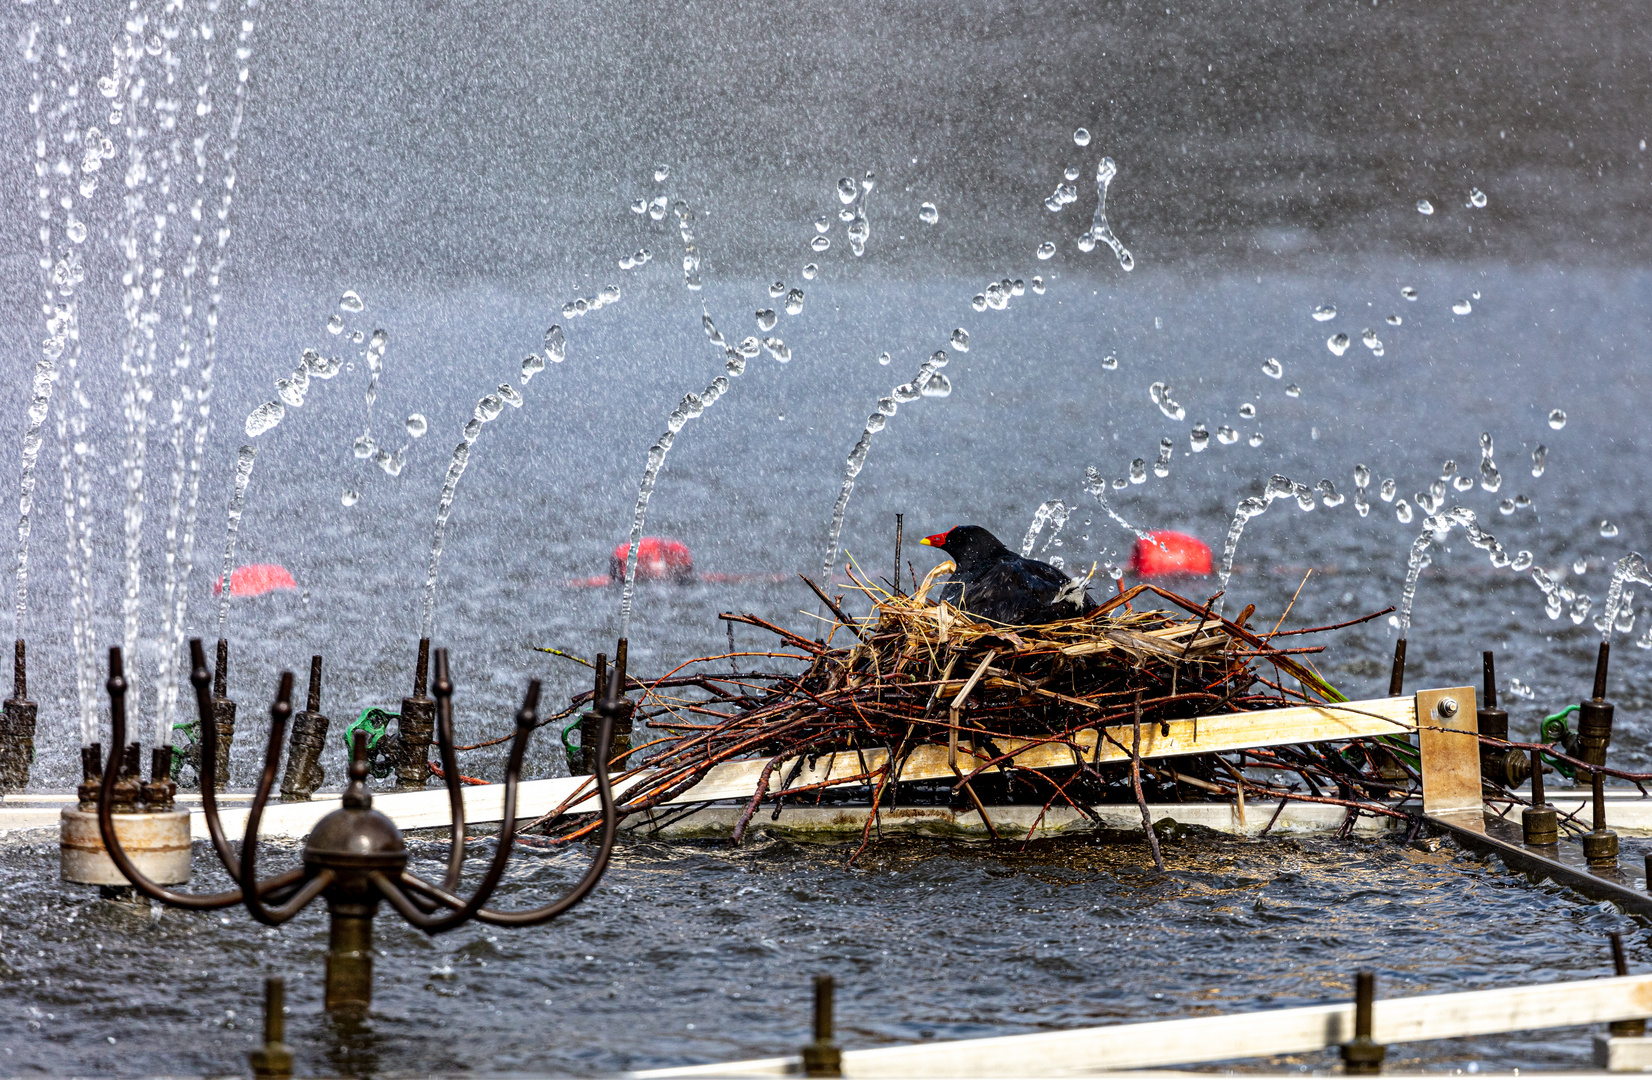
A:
[915,673]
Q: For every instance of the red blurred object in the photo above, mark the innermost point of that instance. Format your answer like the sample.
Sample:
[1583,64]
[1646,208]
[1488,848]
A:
[256,579]
[1167,553]
[658,559]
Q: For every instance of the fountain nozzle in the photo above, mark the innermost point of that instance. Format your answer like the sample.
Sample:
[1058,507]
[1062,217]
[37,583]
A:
[17,722]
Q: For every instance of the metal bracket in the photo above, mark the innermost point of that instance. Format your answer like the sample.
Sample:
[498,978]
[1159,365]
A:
[1448,740]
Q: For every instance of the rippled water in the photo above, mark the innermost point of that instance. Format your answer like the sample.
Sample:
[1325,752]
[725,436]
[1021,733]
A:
[699,953]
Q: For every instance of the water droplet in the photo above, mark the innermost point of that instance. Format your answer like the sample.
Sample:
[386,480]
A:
[904,392]
[960,339]
[1199,438]
[1120,484]
[777,349]
[1506,507]
[1424,207]
[1293,391]
[1540,458]
[928,214]
[1337,343]
[77,231]
[1557,419]
[661,172]
[1462,307]
[335,323]
[938,359]
[1226,435]
[794,301]
[364,446]
[1086,242]
[656,209]
[351,301]
[749,347]
[1038,285]
[1408,292]
[1110,362]
[1402,511]
[1329,495]
[417,425]
[1369,337]
[884,358]
[1081,137]
[1608,530]
[264,417]
[1463,483]
[1475,295]
[350,497]
[875,423]
[1580,565]
[1522,562]
[1386,492]
[887,406]
[846,191]
[938,386]
[357,337]
[488,408]
[978,302]
[510,395]
[766,318]
[809,271]
[777,290]
[823,223]
[1394,320]
[1272,368]
[846,215]
[640,206]
[1256,439]
[1325,313]
[1159,393]
[1476,198]
[1138,471]
[820,243]
[1046,250]
[1247,411]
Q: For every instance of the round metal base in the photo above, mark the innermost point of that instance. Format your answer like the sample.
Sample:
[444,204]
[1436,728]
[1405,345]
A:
[1541,825]
[157,844]
[1601,848]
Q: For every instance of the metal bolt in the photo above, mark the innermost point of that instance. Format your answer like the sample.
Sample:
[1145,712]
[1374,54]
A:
[1447,707]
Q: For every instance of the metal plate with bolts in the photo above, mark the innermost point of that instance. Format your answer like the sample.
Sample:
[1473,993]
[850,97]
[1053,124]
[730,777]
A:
[1448,739]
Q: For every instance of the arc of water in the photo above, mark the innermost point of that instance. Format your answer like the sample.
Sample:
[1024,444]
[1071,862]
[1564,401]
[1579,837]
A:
[1435,529]
[1278,487]
[1105,171]
[487,409]
[1041,517]
[928,383]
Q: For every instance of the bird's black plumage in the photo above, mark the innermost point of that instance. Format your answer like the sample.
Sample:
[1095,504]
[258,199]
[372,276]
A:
[995,583]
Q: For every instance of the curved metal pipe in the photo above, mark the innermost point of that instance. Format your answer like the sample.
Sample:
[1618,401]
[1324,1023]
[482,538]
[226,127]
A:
[280,710]
[527,718]
[443,689]
[610,710]
[106,814]
[201,679]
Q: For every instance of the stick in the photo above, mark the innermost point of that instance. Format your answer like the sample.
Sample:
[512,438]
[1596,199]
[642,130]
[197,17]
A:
[1141,799]
[833,608]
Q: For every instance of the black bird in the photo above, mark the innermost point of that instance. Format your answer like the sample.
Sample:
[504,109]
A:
[995,583]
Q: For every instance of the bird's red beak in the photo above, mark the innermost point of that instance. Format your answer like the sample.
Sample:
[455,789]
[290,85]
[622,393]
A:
[938,540]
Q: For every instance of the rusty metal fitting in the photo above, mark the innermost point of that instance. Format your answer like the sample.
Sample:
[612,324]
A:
[128,789]
[160,792]
[309,738]
[1361,1056]
[414,729]
[1594,716]
[223,715]
[17,723]
[91,776]
[822,1057]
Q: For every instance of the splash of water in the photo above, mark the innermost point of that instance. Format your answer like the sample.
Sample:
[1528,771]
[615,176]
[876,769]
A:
[928,383]
[1435,529]
[1055,510]
[237,505]
[1279,487]
[1099,229]
[1097,488]
[40,400]
[1631,568]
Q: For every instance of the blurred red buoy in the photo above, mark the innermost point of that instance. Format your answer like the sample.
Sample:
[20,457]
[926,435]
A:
[1167,553]
[658,559]
[256,579]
